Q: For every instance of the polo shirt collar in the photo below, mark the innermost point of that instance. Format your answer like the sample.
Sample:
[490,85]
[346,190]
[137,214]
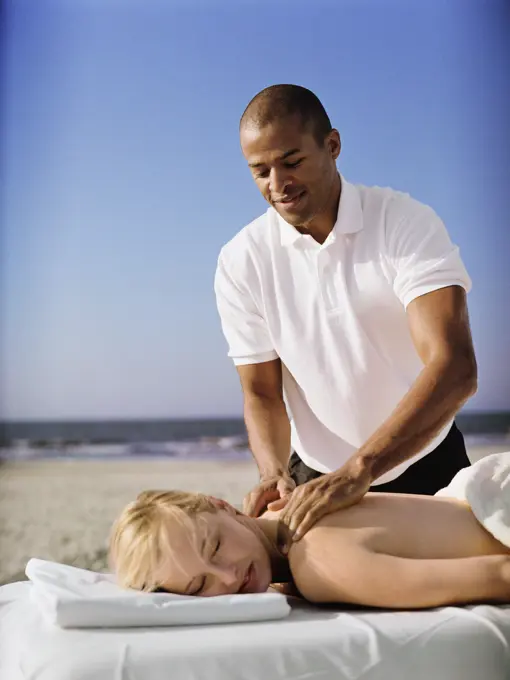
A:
[349,218]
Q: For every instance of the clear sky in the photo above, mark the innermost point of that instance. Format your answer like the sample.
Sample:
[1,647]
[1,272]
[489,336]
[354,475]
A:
[122,177]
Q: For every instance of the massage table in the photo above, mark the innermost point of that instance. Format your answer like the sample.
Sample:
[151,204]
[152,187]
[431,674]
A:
[326,643]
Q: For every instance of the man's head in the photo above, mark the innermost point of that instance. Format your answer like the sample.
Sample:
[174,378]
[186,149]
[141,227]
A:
[187,543]
[291,149]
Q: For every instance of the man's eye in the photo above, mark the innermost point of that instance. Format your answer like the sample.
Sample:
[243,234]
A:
[295,164]
[261,175]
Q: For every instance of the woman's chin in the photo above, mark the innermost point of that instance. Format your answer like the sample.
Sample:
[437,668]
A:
[261,577]
[266,579]
[263,587]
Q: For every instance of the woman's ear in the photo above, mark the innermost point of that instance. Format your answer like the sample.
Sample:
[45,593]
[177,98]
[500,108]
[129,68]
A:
[221,504]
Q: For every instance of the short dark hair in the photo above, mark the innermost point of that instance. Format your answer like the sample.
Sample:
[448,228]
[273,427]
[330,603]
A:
[281,101]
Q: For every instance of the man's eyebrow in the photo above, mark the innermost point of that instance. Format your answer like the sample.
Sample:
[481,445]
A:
[280,158]
[186,590]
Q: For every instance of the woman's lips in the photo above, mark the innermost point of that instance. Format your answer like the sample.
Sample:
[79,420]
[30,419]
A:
[250,580]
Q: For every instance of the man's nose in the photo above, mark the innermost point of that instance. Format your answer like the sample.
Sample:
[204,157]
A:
[278,181]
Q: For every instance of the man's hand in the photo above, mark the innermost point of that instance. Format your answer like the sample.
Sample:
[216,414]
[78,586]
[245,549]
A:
[277,487]
[321,496]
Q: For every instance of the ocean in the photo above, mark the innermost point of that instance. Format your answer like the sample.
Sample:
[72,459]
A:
[223,438]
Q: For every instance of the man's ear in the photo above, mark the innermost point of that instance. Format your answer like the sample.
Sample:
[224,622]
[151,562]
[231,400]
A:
[334,143]
[221,504]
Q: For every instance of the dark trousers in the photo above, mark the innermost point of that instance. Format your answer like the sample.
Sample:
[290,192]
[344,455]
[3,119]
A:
[431,473]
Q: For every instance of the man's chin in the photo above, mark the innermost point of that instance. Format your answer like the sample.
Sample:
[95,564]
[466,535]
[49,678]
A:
[293,218]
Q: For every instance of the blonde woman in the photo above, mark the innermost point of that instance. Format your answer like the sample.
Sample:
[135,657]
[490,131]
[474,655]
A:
[389,550]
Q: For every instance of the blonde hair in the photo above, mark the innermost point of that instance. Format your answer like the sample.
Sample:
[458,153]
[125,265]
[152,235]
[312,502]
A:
[139,540]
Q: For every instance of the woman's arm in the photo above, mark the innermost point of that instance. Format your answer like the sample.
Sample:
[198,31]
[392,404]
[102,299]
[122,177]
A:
[372,579]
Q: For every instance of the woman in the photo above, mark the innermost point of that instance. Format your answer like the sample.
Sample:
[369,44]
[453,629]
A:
[389,550]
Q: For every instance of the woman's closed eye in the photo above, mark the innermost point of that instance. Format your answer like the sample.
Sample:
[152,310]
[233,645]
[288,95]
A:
[216,547]
[203,582]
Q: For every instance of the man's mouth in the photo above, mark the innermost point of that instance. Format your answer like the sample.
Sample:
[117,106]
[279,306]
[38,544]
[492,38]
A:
[291,201]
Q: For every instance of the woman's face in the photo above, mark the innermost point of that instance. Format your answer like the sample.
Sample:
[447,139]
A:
[226,558]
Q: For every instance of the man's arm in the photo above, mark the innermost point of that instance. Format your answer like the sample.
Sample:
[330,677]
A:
[439,326]
[265,416]
[360,576]
[260,371]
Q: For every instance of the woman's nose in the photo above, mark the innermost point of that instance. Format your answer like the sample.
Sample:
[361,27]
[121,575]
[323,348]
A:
[228,575]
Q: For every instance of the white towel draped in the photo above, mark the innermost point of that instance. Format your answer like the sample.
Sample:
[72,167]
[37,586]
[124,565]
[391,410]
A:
[485,486]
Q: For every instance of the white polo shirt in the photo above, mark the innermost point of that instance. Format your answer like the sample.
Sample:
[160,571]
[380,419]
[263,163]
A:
[335,314]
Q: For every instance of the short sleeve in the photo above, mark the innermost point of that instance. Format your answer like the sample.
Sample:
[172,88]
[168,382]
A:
[422,255]
[243,326]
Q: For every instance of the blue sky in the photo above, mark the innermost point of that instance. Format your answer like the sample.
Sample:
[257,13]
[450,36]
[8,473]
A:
[122,177]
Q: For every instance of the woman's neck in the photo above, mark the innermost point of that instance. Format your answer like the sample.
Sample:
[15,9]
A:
[272,534]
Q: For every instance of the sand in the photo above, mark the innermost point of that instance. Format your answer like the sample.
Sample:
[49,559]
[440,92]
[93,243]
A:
[62,510]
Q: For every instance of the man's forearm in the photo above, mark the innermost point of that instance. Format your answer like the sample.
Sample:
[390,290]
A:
[268,429]
[436,396]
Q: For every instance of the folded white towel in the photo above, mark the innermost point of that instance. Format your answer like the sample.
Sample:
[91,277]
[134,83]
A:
[485,486]
[77,598]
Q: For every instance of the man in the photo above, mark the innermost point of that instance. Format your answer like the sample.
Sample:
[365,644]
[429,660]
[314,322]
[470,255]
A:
[344,308]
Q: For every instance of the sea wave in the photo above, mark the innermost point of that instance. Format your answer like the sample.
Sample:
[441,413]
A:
[224,448]
[235,447]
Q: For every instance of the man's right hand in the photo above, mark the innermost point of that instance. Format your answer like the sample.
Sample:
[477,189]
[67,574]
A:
[270,488]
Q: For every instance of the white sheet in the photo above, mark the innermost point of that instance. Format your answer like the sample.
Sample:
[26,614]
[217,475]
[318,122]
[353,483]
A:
[450,643]
[78,598]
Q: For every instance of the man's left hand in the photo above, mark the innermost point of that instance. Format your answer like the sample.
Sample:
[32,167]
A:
[319,497]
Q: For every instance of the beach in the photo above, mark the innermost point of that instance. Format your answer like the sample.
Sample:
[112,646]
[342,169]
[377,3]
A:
[62,510]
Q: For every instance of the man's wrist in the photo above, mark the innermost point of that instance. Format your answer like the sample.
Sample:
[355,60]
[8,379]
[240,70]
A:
[270,471]
[363,464]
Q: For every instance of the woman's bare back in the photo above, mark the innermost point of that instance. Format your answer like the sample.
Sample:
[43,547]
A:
[401,551]
[411,526]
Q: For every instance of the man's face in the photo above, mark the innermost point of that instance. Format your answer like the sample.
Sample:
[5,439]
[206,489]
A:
[223,557]
[293,172]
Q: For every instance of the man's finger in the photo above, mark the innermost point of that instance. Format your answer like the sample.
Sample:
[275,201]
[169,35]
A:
[297,516]
[285,487]
[301,504]
[286,518]
[259,500]
[311,518]
[250,502]
[290,513]
[246,504]
[256,505]
[296,500]
[279,504]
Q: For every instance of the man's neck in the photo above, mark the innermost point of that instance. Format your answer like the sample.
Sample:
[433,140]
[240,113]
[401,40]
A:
[322,225]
